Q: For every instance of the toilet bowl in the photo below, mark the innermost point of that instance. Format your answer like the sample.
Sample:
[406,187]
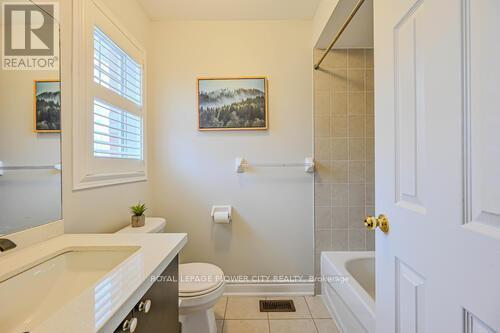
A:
[201,285]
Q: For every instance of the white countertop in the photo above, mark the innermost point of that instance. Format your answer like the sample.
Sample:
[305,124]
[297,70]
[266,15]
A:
[94,311]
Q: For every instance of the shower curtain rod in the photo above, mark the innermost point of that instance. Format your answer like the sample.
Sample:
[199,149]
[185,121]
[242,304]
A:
[339,33]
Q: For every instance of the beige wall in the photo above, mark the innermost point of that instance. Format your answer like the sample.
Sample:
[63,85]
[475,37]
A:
[344,150]
[101,209]
[272,229]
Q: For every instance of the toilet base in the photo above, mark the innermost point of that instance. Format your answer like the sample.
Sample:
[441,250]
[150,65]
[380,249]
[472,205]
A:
[202,321]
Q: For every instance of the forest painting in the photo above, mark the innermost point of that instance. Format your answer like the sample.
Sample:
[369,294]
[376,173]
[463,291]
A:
[47,106]
[232,104]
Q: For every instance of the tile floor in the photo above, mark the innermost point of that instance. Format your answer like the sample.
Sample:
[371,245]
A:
[235,314]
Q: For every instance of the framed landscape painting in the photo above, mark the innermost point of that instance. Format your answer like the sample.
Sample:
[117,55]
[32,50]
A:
[47,106]
[229,104]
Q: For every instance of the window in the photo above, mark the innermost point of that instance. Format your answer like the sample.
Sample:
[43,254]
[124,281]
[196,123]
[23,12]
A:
[108,100]
[115,69]
[117,133]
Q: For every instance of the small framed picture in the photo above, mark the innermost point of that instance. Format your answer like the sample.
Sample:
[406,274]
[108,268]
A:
[47,106]
[232,104]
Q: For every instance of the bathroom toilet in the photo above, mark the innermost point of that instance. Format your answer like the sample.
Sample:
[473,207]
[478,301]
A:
[201,285]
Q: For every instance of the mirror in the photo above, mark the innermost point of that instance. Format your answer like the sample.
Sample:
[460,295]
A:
[30,116]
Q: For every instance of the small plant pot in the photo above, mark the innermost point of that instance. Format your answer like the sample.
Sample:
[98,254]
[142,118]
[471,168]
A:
[138,221]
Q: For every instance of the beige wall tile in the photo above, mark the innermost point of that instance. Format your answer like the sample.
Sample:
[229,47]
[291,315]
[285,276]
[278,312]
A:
[370,240]
[340,149]
[369,103]
[317,307]
[322,241]
[344,189]
[322,148]
[246,326]
[340,240]
[357,240]
[340,217]
[370,194]
[357,172]
[220,324]
[356,58]
[357,193]
[356,80]
[322,80]
[339,104]
[356,126]
[370,149]
[356,217]
[369,58]
[323,217]
[336,59]
[340,195]
[243,308]
[322,103]
[340,83]
[301,308]
[322,195]
[357,149]
[340,172]
[322,126]
[323,171]
[339,127]
[292,326]
[370,211]
[370,172]
[369,80]
[370,127]
[357,103]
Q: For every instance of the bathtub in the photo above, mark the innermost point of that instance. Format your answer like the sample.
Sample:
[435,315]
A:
[348,289]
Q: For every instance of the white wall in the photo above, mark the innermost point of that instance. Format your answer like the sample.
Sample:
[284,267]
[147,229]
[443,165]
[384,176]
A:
[101,209]
[272,230]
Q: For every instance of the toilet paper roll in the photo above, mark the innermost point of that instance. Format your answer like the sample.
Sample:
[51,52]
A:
[221,217]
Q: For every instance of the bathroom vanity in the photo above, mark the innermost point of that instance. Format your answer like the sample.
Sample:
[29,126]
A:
[158,309]
[92,284]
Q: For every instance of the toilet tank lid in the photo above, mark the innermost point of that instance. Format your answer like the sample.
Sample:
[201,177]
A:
[152,225]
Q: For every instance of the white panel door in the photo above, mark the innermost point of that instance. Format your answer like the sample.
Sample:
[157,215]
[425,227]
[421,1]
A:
[437,95]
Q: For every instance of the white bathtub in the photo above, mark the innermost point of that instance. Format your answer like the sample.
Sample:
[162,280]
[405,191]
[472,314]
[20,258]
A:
[349,289]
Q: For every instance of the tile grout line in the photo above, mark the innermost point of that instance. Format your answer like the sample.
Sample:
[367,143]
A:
[312,317]
[225,311]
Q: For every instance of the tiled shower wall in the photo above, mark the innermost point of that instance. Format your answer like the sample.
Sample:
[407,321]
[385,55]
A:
[344,151]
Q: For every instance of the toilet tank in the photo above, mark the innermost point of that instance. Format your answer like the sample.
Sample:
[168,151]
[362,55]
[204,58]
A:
[153,225]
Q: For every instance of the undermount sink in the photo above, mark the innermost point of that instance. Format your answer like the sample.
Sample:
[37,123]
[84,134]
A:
[31,296]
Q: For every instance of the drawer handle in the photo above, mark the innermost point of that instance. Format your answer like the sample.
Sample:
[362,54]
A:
[130,325]
[145,306]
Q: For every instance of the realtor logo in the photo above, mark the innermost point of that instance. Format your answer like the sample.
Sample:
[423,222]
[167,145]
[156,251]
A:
[30,36]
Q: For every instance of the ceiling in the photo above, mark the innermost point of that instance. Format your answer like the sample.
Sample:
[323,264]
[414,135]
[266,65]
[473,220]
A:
[359,33]
[229,9]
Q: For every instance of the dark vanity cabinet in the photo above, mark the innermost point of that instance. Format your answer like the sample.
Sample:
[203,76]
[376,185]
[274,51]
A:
[158,309]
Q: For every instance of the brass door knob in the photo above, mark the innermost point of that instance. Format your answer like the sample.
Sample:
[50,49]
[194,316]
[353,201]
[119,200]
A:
[382,222]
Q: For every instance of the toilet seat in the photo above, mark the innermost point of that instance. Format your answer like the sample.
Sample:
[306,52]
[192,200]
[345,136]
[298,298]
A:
[198,279]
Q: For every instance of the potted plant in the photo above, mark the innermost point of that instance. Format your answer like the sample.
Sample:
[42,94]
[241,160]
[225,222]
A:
[138,217]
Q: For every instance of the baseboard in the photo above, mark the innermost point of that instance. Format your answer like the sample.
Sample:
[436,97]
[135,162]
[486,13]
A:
[269,289]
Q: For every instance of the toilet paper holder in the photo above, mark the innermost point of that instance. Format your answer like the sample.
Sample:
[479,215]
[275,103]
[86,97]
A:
[222,209]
